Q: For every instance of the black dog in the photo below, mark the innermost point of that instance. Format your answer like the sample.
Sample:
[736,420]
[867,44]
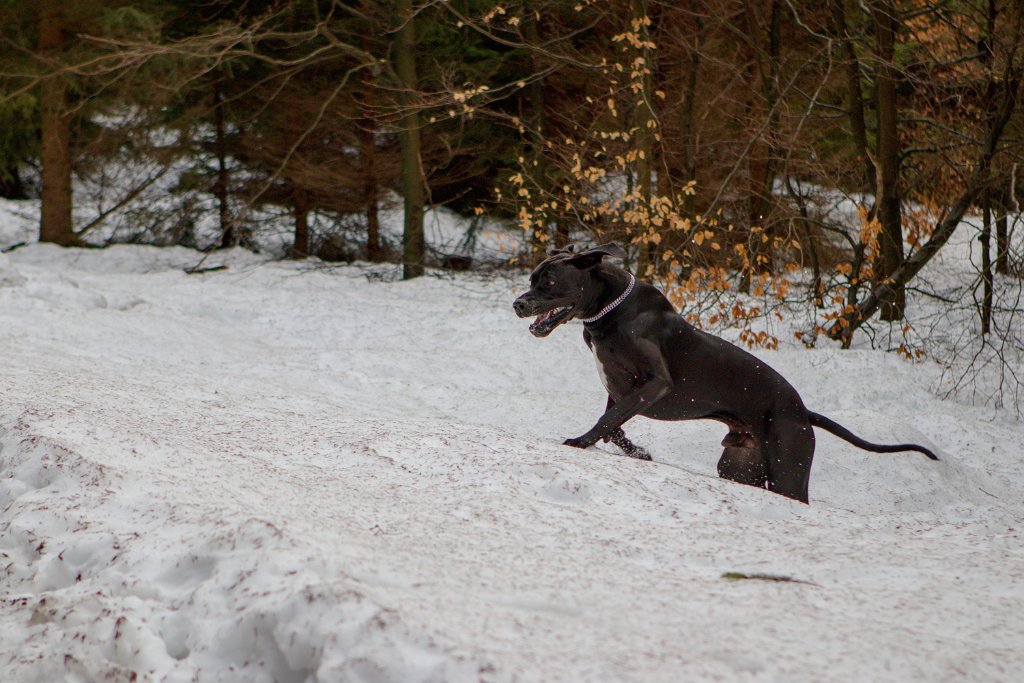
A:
[653,363]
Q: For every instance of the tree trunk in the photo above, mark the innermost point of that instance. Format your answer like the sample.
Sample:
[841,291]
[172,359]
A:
[760,162]
[889,211]
[986,263]
[812,249]
[368,155]
[413,245]
[855,102]
[845,331]
[368,162]
[644,121]
[300,205]
[689,133]
[55,215]
[1002,238]
[1004,199]
[228,238]
[537,169]
[771,95]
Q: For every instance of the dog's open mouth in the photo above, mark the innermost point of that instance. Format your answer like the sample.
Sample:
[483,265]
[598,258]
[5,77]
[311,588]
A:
[549,320]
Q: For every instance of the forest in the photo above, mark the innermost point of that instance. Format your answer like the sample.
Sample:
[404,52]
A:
[755,156]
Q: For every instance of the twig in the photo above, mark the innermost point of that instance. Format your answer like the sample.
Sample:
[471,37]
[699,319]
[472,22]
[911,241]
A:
[741,576]
[196,270]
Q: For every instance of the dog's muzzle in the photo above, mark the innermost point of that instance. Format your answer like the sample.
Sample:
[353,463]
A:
[546,320]
[549,320]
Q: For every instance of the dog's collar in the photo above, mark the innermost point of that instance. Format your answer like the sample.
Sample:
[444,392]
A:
[611,307]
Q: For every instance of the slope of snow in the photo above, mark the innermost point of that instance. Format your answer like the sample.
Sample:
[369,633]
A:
[281,473]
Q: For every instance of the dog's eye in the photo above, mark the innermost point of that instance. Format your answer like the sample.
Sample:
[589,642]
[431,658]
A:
[549,283]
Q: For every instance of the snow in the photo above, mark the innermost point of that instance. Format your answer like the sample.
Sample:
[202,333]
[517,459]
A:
[281,472]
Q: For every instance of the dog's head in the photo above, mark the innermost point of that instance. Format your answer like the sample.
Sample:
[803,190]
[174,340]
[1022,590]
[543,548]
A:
[558,286]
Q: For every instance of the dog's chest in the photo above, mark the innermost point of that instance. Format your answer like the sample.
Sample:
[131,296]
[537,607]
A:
[617,380]
[600,371]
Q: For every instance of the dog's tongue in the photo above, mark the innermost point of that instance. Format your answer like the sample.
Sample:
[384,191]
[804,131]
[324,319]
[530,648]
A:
[544,316]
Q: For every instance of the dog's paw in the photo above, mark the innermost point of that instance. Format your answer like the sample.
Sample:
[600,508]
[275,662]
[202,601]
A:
[579,442]
[638,452]
[618,437]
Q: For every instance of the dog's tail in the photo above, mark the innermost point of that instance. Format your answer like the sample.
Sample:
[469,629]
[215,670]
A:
[845,434]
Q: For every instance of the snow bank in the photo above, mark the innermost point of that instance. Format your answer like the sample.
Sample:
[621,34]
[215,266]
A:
[270,473]
[131,584]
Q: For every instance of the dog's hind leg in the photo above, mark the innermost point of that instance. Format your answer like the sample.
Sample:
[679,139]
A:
[742,460]
[619,438]
[788,451]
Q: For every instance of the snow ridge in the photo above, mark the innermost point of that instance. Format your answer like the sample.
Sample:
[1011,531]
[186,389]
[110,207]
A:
[161,592]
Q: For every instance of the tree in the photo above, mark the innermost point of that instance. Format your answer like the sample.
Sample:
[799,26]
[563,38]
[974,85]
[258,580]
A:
[55,214]
[973,189]
[413,244]
[887,195]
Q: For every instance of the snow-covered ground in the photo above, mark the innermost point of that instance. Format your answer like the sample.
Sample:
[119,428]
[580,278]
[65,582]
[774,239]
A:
[281,473]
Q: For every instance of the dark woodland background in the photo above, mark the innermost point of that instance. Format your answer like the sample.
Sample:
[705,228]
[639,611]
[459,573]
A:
[715,137]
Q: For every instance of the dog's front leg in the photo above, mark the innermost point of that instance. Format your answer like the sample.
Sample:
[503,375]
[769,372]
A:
[619,438]
[651,392]
[651,364]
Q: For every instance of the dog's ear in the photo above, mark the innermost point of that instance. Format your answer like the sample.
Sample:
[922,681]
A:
[591,257]
[555,251]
